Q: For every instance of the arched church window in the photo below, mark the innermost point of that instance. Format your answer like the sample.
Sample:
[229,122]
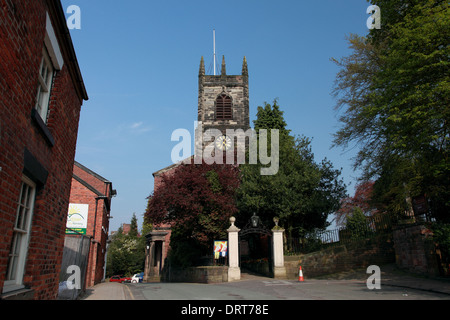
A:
[224,107]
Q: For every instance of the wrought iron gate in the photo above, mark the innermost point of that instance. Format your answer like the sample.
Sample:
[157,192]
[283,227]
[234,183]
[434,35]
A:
[255,247]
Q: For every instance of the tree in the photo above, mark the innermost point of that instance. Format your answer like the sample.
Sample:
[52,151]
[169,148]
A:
[302,194]
[197,202]
[362,200]
[356,224]
[126,252]
[133,227]
[394,93]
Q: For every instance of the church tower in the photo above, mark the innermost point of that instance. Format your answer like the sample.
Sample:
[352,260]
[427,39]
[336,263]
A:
[223,100]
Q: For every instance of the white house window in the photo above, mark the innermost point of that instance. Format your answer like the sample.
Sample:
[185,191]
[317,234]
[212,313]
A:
[46,72]
[52,61]
[21,236]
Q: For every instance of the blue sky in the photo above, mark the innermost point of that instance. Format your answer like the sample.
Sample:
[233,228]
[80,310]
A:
[140,59]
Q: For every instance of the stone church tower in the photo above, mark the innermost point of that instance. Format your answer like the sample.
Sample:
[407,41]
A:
[223,100]
[223,103]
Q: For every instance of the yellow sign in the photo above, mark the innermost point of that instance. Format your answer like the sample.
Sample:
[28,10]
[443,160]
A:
[77,218]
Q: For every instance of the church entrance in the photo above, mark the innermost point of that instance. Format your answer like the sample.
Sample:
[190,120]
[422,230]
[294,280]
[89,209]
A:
[255,248]
[155,255]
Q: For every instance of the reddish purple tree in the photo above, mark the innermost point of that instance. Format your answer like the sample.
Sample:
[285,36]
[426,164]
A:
[196,201]
[362,199]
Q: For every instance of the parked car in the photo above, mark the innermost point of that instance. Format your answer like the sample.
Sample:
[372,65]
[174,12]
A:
[119,279]
[138,277]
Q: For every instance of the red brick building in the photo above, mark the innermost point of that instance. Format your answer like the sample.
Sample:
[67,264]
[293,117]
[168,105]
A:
[95,193]
[41,94]
[158,240]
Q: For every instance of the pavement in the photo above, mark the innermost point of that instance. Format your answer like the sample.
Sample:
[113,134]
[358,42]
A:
[108,291]
[390,276]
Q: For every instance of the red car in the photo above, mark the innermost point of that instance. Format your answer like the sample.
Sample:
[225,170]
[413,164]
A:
[119,279]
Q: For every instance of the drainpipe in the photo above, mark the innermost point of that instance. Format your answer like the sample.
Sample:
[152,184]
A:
[94,241]
[96,207]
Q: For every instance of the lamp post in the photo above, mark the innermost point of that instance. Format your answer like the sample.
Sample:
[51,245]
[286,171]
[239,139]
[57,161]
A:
[255,220]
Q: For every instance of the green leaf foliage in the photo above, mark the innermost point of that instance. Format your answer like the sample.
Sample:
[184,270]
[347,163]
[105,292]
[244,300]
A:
[302,194]
[393,97]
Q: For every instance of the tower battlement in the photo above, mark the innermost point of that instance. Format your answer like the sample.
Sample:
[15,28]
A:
[223,100]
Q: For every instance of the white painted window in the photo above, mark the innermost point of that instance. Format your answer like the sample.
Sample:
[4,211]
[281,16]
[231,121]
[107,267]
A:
[46,72]
[21,236]
[51,61]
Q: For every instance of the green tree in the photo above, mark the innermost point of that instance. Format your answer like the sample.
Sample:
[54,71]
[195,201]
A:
[356,224]
[146,227]
[133,227]
[126,252]
[394,93]
[441,235]
[302,194]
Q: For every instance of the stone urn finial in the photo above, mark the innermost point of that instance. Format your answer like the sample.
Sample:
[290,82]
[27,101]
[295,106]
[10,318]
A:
[276,220]
[233,228]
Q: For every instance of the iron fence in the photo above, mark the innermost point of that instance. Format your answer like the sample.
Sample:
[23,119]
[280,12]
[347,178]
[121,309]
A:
[375,226]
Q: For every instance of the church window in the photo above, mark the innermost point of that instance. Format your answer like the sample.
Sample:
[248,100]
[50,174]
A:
[224,107]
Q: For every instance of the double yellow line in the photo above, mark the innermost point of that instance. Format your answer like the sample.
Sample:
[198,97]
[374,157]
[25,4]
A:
[130,293]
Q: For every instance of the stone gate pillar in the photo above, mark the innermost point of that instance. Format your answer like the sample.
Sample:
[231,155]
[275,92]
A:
[279,270]
[234,271]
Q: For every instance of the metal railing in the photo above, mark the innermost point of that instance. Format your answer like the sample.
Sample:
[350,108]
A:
[375,226]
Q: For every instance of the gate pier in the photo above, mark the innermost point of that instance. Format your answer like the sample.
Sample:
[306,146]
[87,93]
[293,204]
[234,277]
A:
[276,265]
[279,270]
[234,271]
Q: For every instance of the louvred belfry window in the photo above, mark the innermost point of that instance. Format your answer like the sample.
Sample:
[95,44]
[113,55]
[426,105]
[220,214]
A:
[224,108]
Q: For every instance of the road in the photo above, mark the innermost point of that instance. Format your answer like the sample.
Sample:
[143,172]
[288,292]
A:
[257,297]
[270,289]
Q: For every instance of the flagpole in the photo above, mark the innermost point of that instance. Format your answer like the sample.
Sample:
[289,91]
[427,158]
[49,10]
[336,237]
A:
[214,41]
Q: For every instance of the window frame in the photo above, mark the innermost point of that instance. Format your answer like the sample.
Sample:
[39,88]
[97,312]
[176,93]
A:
[45,86]
[224,107]
[52,56]
[20,239]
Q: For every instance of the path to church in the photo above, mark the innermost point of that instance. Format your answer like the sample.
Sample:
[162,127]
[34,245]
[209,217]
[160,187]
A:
[260,288]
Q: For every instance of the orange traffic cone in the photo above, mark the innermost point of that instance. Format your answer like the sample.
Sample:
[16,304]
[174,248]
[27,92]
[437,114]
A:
[300,274]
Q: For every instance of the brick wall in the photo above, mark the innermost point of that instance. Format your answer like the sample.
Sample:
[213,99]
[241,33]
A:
[92,178]
[22,32]
[86,189]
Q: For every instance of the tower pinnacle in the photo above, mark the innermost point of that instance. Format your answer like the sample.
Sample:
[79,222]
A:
[201,72]
[224,69]
[244,67]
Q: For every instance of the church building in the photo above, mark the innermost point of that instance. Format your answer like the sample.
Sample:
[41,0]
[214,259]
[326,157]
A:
[223,103]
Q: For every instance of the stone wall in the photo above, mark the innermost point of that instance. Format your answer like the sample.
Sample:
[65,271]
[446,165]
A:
[341,258]
[236,87]
[206,274]
[414,250]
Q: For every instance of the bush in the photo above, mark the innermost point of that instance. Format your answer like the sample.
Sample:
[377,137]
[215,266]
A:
[441,235]
[357,225]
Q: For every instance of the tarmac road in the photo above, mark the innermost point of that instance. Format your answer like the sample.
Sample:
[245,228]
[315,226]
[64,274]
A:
[255,297]
[270,289]
[394,286]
